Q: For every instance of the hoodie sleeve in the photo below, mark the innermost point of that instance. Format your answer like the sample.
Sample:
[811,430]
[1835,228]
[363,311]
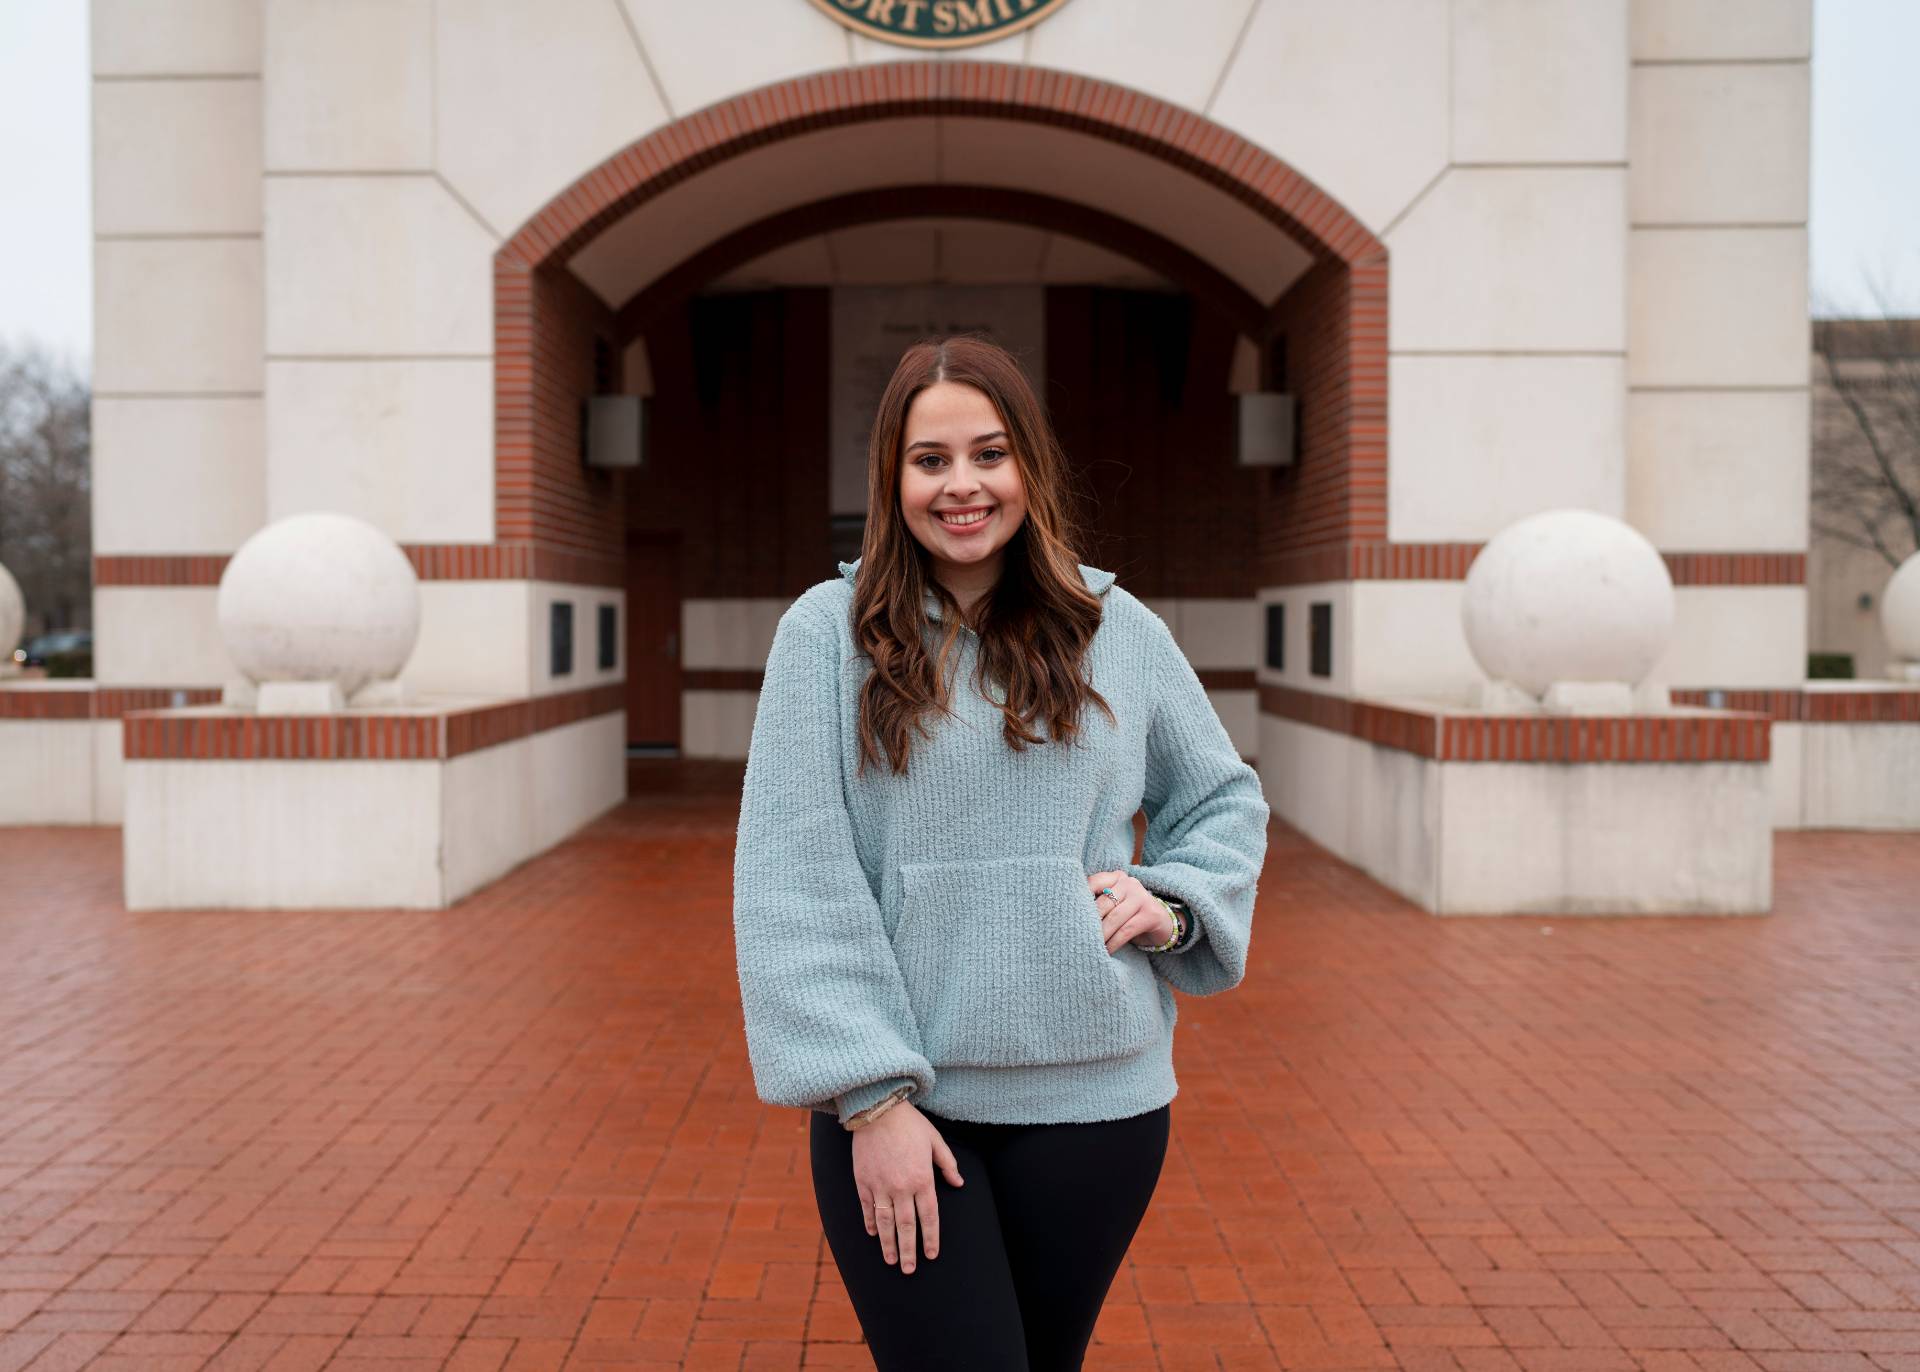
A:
[1206,827]
[828,1023]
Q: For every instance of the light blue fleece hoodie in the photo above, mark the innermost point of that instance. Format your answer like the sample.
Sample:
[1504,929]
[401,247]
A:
[938,929]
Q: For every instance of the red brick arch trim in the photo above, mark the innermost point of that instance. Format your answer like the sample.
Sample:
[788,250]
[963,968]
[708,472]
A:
[852,95]
[532,501]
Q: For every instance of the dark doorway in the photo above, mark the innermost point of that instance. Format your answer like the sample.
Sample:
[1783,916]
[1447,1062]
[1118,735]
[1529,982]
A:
[653,638]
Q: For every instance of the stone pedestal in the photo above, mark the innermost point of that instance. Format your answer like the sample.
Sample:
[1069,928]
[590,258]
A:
[412,807]
[1846,754]
[60,759]
[1471,811]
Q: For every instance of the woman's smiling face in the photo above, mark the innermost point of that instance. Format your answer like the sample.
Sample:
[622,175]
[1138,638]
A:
[957,459]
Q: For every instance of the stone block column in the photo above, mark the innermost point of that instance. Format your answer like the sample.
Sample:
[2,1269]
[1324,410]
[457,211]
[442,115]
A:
[1718,334]
[178,478]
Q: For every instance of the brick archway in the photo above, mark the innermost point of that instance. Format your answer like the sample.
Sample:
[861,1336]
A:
[945,200]
[1328,509]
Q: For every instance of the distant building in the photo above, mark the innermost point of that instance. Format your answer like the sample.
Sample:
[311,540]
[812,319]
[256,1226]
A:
[1844,579]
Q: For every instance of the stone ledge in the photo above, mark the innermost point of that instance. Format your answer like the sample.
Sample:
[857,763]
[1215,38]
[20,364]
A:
[1841,702]
[81,698]
[435,729]
[1442,732]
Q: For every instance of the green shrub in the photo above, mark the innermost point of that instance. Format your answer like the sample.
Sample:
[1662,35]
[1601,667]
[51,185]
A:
[1829,666]
[78,663]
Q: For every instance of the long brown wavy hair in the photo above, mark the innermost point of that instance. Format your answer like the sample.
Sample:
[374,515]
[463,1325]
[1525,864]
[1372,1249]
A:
[1034,625]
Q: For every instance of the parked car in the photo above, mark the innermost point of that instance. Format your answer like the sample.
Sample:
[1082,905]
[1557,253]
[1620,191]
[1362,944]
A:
[36,650]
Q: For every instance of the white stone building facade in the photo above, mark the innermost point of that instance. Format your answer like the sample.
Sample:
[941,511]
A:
[371,256]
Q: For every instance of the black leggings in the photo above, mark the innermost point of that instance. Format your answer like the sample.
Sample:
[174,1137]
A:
[1028,1247]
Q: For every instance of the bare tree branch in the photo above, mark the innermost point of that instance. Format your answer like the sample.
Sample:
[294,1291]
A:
[45,507]
[1867,540]
[1866,458]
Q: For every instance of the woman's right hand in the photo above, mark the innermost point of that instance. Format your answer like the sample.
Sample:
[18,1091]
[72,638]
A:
[893,1162]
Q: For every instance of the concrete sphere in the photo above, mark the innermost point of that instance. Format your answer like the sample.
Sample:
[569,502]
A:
[319,597]
[1568,595]
[13,614]
[1900,611]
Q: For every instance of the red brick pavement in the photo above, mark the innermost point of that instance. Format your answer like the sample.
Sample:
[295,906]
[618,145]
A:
[521,1134]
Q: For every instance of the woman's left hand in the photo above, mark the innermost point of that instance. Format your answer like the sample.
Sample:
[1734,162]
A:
[1130,914]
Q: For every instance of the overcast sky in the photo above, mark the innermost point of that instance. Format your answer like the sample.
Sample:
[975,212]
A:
[1865,213]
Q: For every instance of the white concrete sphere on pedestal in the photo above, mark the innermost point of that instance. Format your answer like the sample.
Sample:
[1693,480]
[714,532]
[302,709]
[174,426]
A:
[1568,595]
[320,597]
[13,613]
[1900,611]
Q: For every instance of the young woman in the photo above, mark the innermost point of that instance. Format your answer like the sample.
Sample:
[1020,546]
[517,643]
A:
[945,949]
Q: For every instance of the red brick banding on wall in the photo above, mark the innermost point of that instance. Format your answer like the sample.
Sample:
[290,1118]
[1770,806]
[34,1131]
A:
[173,736]
[1897,706]
[47,704]
[469,731]
[1410,561]
[1737,569]
[1313,708]
[525,561]
[159,569]
[1383,561]
[104,702]
[1447,737]
[517,561]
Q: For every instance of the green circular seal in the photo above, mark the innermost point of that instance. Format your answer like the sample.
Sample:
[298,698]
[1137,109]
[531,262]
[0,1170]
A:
[938,23]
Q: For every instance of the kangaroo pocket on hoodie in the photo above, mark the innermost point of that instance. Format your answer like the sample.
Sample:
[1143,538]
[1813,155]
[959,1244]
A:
[1005,966]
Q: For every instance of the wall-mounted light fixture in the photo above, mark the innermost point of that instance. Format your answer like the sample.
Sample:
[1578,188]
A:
[1266,429]
[1267,409]
[613,430]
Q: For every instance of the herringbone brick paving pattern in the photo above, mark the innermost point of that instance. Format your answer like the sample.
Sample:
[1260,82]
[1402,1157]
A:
[521,1134]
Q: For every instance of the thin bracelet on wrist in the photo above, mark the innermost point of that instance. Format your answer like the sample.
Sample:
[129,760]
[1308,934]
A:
[1179,928]
[878,1108]
[1187,924]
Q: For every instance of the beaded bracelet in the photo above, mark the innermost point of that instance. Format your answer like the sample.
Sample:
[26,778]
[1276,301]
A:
[1179,927]
[1179,930]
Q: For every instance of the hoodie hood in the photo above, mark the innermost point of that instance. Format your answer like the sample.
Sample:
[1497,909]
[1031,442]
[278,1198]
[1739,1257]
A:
[1096,581]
